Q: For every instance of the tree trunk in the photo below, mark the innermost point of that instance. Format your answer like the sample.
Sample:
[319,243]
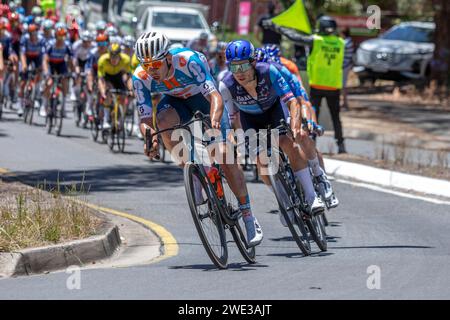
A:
[440,64]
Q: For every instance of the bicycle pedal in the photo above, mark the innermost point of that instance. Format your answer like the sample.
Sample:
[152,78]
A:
[333,202]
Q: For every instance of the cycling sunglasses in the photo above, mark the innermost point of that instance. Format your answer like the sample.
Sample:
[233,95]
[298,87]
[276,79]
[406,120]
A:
[243,67]
[155,65]
[102,44]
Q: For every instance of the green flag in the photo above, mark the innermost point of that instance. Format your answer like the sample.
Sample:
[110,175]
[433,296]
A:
[295,17]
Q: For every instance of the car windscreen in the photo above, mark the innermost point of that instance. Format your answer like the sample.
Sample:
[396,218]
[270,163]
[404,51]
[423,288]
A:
[176,20]
[409,33]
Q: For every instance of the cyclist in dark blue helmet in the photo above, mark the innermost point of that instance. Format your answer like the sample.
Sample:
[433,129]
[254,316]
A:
[253,92]
[308,146]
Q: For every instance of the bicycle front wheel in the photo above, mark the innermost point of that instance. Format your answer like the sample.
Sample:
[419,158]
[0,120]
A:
[316,226]
[237,230]
[289,209]
[59,116]
[205,213]
[121,132]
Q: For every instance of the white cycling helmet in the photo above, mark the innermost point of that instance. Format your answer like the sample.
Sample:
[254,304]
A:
[151,46]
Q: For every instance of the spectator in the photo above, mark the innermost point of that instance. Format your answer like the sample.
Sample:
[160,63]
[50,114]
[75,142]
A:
[324,68]
[347,65]
[269,36]
[200,44]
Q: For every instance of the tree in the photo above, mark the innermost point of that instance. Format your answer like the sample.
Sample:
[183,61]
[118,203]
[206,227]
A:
[441,60]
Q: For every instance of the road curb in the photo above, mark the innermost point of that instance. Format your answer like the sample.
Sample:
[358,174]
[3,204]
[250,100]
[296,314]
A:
[61,256]
[387,178]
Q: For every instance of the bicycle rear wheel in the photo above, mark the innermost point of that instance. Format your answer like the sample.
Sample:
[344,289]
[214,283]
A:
[287,202]
[237,230]
[206,215]
[121,132]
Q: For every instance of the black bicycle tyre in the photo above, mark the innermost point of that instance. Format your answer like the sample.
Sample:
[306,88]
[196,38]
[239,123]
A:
[121,131]
[249,254]
[191,170]
[305,246]
[50,116]
[59,118]
[317,231]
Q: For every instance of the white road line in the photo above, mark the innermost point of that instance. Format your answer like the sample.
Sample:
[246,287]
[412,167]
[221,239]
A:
[397,193]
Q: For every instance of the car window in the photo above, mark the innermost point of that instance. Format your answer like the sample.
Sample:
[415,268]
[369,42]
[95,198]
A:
[409,33]
[176,20]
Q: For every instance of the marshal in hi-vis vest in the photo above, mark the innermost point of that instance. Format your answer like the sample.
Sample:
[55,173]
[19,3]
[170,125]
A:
[325,62]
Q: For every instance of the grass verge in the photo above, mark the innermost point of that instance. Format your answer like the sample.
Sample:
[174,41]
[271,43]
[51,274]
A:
[33,217]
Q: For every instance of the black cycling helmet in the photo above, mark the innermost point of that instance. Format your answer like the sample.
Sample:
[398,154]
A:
[326,25]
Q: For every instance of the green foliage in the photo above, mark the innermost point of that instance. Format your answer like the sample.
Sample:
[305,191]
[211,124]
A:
[230,36]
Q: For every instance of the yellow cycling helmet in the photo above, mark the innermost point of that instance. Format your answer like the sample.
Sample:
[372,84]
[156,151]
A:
[114,48]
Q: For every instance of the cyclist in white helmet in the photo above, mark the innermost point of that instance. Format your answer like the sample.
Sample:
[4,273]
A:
[187,87]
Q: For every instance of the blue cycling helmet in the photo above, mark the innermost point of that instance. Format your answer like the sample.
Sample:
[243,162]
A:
[20,10]
[260,55]
[240,50]
[273,53]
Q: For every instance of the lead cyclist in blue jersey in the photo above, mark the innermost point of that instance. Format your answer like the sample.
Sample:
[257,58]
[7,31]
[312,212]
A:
[187,87]
[308,145]
[253,93]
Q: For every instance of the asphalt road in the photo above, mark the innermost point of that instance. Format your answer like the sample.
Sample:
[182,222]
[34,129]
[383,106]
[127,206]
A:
[407,239]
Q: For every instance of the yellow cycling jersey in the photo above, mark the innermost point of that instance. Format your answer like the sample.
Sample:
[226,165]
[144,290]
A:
[106,68]
[134,63]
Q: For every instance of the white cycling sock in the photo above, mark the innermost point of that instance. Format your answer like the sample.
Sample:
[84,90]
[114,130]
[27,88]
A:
[304,176]
[315,166]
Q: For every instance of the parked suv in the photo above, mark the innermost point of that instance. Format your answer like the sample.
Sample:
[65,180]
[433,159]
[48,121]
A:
[402,52]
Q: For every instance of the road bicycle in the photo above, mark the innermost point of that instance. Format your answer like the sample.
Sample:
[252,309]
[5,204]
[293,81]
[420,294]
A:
[80,105]
[29,94]
[117,133]
[214,207]
[291,200]
[55,114]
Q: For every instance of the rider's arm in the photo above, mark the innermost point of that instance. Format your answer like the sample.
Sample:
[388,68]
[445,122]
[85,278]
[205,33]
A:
[233,111]
[291,34]
[145,110]
[45,67]
[286,96]
[205,81]
[100,75]
[23,59]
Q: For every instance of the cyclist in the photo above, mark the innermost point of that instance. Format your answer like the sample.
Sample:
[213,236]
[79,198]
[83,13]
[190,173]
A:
[101,48]
[187,87]
[200,44]
[112,31]
[253,93]
[219,63]
[308,146]
[58,60]
[100,27]
[16,34]
[73,28]
[32,49]
[47,27]
[82,50]
[114,70]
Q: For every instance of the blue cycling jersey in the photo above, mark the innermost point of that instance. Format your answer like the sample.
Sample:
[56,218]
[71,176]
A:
[293,82]
[270,87]
[190,77]
[58,55]
[32,49]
